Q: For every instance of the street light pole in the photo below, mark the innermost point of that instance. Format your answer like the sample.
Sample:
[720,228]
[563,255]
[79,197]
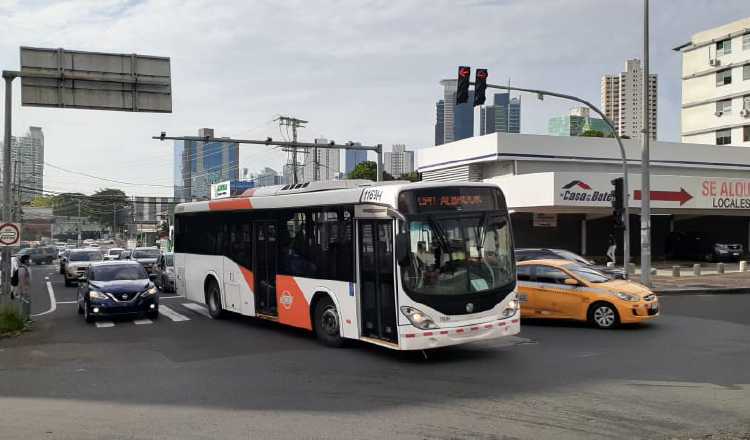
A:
[645,157]
[7,195]
[624,159]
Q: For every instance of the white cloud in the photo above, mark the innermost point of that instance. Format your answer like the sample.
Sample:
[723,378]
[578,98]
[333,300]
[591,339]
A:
[357,70]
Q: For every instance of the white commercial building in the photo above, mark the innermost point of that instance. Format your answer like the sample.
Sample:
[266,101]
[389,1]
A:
[560,191]
[621,98]
[716,85]
[399,161]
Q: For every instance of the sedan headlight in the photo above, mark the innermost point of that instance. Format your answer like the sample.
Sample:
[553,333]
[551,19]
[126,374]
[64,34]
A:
[627,297]
[95,294]
[417,318]
[151,291]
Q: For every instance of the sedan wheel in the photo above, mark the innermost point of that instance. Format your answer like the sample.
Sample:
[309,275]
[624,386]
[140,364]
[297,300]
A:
[604,316]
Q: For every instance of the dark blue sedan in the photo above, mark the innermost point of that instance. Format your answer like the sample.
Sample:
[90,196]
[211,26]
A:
[117,288]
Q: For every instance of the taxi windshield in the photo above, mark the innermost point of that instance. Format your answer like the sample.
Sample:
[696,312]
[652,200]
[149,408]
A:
[587,273]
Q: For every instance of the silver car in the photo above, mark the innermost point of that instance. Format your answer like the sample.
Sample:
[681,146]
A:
[78,262]
[147,256]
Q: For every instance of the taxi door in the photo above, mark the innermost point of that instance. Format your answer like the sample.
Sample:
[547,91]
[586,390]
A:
[525,286]
[552,297]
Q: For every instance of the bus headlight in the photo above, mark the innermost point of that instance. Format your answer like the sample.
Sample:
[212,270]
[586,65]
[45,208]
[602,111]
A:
[510,309]
[417,318]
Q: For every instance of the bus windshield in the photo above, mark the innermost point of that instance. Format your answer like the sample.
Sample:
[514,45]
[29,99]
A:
[458,255]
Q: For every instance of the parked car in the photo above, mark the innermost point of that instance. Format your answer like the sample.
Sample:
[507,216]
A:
[564,289]
[523,254]
[43,255]
[78,263]
[117,288]
[147,256]
[125,255]
[698,246]
[113,253]
[164,273]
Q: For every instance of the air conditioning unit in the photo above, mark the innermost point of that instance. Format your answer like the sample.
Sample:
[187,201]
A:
[745,113]
[719,113]
[714,62]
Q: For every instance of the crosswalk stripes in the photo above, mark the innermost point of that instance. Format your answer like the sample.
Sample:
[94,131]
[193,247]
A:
[171,314]
[197,308]
[102,324]
[143,322]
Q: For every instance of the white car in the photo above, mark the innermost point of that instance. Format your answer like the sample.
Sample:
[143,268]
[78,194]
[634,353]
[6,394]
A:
[78,262]
[113,253]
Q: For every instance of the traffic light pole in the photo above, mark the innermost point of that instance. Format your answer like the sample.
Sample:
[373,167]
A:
[5,264]
[624,158]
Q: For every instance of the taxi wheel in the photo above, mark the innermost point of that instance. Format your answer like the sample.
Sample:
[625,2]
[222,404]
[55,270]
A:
[604,315]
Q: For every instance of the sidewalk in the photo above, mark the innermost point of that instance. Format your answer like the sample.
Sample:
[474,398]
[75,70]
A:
[735,282]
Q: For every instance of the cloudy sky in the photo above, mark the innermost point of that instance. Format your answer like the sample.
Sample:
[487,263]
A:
[364,71]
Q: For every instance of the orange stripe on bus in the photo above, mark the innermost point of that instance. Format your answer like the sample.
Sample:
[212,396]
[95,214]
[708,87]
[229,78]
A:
[249,278]
[230,204]
[291,303]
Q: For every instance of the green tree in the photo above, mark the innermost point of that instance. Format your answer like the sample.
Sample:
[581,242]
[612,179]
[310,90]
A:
[593,133]
[66,204]
[411,177]
[101,205]
[368,170]
[42,202]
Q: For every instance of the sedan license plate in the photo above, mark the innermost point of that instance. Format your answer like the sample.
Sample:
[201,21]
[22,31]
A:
[654,306]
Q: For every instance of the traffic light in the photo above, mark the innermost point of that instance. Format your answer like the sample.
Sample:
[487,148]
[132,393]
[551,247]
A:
[480,85]
[462,90]
[618,204]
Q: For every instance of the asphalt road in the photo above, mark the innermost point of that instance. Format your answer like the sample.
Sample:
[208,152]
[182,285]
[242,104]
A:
[684,375]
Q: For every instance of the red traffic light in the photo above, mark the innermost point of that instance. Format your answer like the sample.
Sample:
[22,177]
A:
[482,73]
[464,71]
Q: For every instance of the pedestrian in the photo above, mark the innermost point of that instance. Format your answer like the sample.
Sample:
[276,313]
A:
[612,249]
[24,277]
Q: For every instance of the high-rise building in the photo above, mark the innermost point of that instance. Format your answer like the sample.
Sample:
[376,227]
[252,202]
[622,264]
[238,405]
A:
[326,160]
[198,164]
[621,100]
[716,85]
[502,116]
[440,122]
[352,158]
[458,120]
[398,161]
[576,123]
[267,177]
[27,162]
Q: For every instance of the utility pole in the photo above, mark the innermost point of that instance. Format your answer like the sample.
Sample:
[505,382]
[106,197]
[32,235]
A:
[295,123]
[114,221]
[78,240]
[645,157]
[7,195]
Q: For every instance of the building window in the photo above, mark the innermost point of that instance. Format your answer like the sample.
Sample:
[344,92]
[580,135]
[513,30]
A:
[724,137]
[746,41]
[746,133]
[724,47]
[724,106]
[723,77]
[746,72]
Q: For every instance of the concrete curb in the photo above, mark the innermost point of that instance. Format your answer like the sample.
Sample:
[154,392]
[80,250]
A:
[702,291]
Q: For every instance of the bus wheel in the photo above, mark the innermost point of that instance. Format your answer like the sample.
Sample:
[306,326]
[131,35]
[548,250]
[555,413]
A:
[327,324]
[214,300]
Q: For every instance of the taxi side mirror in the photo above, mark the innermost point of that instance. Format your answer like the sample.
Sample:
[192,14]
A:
[571,282]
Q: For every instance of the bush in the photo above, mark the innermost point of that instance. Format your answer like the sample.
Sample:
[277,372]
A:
[10,320]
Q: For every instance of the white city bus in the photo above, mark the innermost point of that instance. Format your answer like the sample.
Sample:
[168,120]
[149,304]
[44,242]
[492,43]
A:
[408,266]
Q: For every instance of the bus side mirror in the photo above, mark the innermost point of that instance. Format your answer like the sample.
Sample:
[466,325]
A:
[402,249]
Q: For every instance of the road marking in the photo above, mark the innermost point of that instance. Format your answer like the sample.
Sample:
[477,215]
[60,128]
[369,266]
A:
[102,324]
[171,297]
[197,308]
[66,302]
[142,321]
[52,302]
[171,314]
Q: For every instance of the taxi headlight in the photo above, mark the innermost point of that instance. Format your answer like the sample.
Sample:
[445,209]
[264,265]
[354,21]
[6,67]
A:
[627,297]
[417,318]
[95,294]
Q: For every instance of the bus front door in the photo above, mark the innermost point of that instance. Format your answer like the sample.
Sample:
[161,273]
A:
[265,268]
[376,277]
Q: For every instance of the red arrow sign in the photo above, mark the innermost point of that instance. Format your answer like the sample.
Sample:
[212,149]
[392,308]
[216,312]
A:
[681,196]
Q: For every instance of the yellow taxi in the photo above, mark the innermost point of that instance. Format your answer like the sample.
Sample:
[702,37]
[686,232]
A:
[565,289]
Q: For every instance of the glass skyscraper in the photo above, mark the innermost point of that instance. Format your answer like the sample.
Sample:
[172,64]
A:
[197,165]
[503,116]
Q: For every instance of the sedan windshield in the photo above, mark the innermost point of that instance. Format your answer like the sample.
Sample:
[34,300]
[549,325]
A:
[456,256]
[119,272]
[572,257]
[146,253]
[587,273]
[85,256]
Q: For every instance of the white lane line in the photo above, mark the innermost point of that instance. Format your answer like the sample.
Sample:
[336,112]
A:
[197,308]
[171,314]
[142,321]
[66,302]
[171,297]
[102,324]
[52,302]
